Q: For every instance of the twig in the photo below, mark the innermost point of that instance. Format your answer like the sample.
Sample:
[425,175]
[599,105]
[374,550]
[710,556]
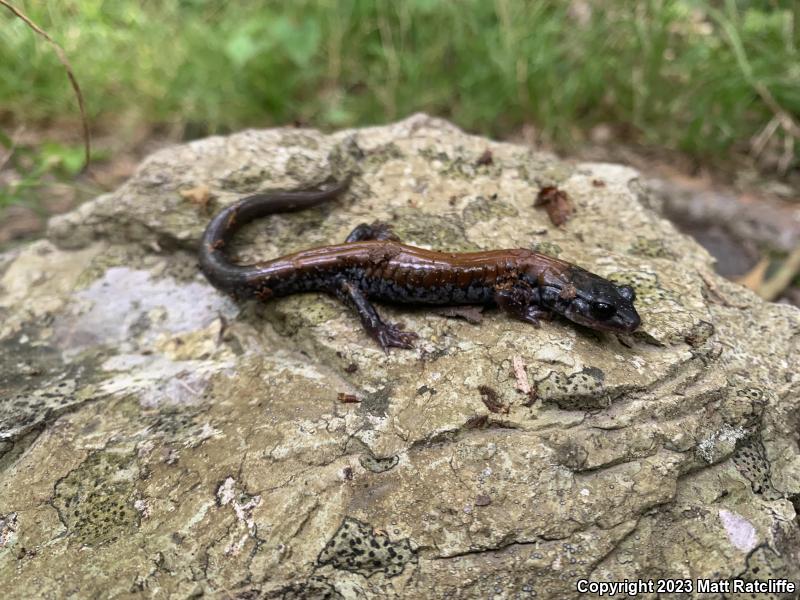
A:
[787,122]
[788,154]
[11,148]
[772,287]
[62,57]
[760,140]
[785,119]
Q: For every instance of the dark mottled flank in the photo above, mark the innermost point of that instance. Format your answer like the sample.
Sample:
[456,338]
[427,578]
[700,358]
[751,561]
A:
[374,264]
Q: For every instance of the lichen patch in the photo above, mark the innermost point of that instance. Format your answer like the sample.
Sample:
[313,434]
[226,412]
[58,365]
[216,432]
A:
[96,501]
[358,548]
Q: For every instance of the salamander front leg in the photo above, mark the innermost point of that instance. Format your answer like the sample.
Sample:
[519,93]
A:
[521,301]
[388,335]
[377,231]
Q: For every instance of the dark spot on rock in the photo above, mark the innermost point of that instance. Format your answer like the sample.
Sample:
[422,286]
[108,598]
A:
[384,556]
[482,500]
[486,158]
[583,390]
[376,403]
[425,390]
[477,422]
[491,400]
[376,464]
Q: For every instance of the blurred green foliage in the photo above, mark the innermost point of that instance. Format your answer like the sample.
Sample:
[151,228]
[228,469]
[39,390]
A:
[674,73]
[34,164]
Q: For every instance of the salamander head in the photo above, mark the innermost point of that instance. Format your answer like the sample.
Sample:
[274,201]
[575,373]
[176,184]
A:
[590,300]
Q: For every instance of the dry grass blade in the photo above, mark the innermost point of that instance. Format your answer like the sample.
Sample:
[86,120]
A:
[62,57]
[782,279]
[754,278]
[787,122]
[784,118]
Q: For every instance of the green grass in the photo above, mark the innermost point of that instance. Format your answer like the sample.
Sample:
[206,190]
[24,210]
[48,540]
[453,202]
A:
[675,74]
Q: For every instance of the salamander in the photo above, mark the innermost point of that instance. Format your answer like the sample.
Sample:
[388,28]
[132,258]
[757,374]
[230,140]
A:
[373,264]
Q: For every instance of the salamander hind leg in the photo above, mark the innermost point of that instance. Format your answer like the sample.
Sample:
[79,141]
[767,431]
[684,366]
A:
[388,335]
[521,301]
[376,231]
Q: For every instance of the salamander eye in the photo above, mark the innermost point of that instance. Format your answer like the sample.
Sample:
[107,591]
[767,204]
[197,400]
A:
[602,310]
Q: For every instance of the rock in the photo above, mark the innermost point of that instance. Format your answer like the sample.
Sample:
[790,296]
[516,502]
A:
[158,439]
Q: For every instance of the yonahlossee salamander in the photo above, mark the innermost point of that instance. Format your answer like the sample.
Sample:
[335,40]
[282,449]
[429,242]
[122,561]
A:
[373,264]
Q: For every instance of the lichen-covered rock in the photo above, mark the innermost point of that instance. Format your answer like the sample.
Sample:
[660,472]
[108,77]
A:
[159,440]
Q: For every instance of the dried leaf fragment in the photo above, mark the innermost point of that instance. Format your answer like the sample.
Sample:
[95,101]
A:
[491,401]
[199,195]
[755,277]
[557,204]
[346,398]
[485,159]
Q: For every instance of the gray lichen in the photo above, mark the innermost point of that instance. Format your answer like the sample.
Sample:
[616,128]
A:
[95,501]
[358,548]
